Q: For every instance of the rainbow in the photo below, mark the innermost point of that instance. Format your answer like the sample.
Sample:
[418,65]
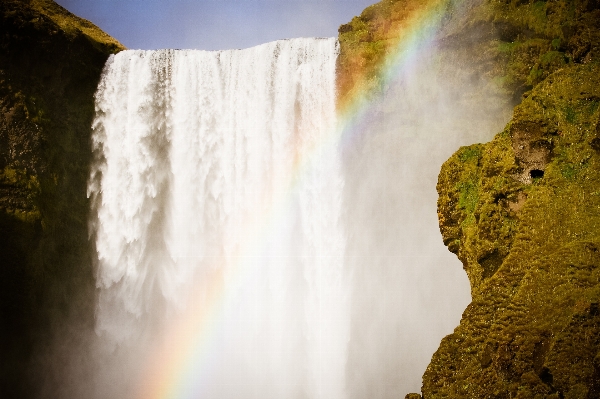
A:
[178,366]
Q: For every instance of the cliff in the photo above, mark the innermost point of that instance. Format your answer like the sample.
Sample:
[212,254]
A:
[50,64]
[522,211]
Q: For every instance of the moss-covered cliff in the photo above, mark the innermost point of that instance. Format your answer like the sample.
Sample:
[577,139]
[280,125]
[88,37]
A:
[521,212]
[515,43]
[50,64]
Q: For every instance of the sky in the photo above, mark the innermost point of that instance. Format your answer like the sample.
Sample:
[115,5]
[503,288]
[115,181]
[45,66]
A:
[214,24]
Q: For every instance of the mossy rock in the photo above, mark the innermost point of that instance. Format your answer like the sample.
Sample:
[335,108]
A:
[50,65]
[522,214]
[514,43]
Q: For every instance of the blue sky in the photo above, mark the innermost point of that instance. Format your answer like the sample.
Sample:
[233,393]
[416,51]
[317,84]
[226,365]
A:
[214,24]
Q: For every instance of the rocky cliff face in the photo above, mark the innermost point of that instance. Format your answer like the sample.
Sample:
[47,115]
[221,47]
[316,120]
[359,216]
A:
[521,212]
[50,64]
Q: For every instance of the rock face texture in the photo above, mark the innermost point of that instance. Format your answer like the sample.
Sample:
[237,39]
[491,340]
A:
[50,64]
[522,212]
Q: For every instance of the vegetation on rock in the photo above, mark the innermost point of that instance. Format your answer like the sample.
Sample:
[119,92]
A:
[368,39]
[515,43]
[521,212]
[50,64]
[528,239]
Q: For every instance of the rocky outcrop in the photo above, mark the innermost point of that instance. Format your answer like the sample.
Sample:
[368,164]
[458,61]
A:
[50,64]
[515,43]
[521,212]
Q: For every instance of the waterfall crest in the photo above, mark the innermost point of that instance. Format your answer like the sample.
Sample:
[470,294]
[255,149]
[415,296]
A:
[298,261]
[201,177]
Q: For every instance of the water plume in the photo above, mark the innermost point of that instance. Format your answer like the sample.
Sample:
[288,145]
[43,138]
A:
[408,291]
[252,242]
[220,250]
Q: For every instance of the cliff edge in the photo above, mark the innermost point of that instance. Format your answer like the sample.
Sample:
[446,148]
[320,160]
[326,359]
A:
[522,211]
[522,214]
[50,64]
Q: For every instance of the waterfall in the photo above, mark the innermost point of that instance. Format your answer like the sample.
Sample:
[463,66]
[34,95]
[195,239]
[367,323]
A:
[211,175]
[235,229]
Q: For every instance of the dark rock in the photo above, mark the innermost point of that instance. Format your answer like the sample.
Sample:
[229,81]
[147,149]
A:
[50,64]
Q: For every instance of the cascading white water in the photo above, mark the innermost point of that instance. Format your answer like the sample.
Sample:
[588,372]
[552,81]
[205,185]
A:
[203,172]
[331,277]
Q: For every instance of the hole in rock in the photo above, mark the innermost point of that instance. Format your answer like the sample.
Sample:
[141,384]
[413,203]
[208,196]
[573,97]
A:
[536,173]
[546,376]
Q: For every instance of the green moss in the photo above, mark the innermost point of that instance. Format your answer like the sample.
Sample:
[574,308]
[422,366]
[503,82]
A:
[535,75]
[592,106]
[508,47]
[538,11]
[570,114]
[553,57]
[556,43]
[531,251]
[467,154]
[468,195]
[568,171]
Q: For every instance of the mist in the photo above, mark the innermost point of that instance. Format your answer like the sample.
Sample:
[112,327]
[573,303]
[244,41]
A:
[353,288]
[408,291]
